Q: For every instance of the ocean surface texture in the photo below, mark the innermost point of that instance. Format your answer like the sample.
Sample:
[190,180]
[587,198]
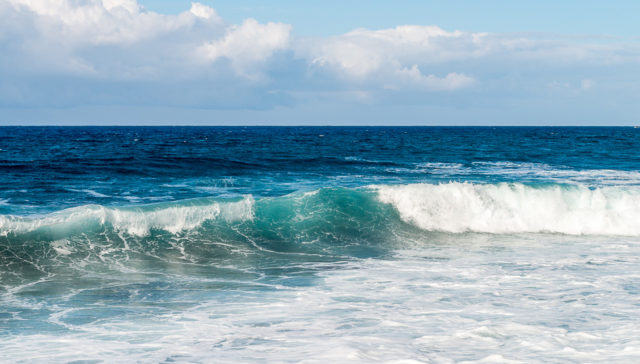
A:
[319,245]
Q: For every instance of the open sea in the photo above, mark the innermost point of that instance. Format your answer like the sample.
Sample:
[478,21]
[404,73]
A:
[319,245]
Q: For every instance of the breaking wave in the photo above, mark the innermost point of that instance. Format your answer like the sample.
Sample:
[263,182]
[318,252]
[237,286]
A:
[517,208]
[135,221]
[451,207]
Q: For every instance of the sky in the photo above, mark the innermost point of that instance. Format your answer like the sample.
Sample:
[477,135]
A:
[284,62]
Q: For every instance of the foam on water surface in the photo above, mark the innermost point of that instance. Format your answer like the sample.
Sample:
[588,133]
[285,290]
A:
[463,299]
[517,208]
[133,220]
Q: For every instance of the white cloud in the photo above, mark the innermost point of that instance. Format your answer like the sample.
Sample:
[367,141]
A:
[120,39]
[451,81]
[393,58]
[247,44]
[362,52]
[117,45]
[203,11]
[97,22]
[437,59]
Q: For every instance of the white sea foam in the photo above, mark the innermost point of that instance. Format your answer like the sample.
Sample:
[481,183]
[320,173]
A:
[517,208]
[90,192]
[532,172]
[440,166]
[135,221]
[481,301]
[542,171]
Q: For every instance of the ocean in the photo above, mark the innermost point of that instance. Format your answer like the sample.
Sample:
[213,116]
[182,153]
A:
[319,244]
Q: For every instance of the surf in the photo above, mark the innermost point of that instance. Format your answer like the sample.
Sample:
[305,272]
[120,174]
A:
[507,208]
[454,207]
[132,220]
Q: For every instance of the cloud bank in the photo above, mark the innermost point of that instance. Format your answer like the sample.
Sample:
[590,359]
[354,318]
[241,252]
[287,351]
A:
[70,53]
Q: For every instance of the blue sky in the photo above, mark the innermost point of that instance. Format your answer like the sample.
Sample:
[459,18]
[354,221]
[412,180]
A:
[333,17]
[313,62]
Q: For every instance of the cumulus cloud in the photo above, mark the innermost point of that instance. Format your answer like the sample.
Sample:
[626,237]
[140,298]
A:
[439,59]
[362,52]
[451,81]
[247,44]
[93,22]
[116,51]
[120,39]
[203,11]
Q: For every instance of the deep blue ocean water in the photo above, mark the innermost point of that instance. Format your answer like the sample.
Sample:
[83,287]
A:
[316,244]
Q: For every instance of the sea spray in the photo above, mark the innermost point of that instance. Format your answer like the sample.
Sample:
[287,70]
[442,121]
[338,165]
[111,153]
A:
[517,208]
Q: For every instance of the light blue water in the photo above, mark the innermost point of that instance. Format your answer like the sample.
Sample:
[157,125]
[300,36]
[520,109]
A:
[319,244]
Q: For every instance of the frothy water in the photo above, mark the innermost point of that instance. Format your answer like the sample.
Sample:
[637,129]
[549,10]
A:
[516,208]
[132,220]
[471,298]
[423,245]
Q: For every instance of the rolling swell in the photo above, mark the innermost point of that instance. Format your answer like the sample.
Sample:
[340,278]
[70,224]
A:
[245,234]
[449,207]
[329,223]
[134,221]
[248,234]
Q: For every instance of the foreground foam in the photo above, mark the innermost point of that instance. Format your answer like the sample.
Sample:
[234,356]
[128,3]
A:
[517,208]
[138,221]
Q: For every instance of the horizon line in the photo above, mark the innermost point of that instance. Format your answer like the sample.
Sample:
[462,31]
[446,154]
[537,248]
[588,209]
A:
[322,125]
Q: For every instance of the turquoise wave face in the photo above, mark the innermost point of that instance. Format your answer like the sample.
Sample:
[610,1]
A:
[326,224]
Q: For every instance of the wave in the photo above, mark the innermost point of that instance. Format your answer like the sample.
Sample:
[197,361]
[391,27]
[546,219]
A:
[250,233]
[454,207]
[135,221]
[233,235]
[517,208]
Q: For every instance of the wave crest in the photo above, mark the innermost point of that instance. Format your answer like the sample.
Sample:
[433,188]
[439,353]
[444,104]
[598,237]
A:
[137,221]
[516,208]
[452,207]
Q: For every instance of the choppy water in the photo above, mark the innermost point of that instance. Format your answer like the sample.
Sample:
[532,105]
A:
[319,244]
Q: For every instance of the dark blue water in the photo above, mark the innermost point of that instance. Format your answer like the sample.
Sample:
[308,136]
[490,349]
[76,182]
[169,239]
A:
[48,168]
[336,243]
